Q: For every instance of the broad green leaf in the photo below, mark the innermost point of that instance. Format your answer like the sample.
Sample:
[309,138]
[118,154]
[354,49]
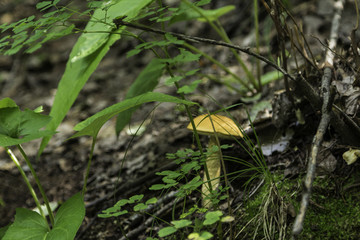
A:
[102,21]
[68,219]
[18,126]
[3,230]
[187,13]
[147,80]
[27,225]
[92,125]
[6,141]
[87,54]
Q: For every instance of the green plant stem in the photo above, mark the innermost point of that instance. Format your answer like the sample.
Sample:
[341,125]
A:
[88,165]
[257,39]
[31,189]
[225,69]
[46,200]
[220,30]
[215,79]
[182,96]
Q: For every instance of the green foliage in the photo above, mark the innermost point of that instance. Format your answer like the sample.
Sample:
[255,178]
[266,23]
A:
[199,228]
[18,126]
[87,53]
[99,35]
[116,210]
[32,34]
[30,225]
[186,13]
[146,82]
[92,125]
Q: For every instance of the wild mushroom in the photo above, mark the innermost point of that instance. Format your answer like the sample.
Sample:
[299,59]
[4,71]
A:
[215,126]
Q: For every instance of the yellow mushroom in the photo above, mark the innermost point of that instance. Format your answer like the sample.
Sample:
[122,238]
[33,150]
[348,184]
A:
[222,127]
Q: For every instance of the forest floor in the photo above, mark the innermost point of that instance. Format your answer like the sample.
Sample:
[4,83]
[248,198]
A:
[126,165]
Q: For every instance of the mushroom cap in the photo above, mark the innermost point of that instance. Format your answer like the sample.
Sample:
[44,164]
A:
[224,126]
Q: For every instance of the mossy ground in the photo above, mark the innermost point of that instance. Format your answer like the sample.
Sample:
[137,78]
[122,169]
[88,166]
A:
[333,213]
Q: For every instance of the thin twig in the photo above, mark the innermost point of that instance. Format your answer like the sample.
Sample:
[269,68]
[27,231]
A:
[324,121]
[120,22]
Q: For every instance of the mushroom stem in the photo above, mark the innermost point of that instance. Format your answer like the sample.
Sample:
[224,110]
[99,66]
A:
[213,165]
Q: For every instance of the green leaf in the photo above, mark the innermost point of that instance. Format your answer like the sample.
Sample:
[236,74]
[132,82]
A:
[147,80]
[184,56]
[189,88]
[27,225]
[68,219]
[44,5]
[116,214]
[166,231]
[139,207]
[3,231]
[212,217]
[187,167]
[193,184]
[92,125]
[187,13]
[270,77]
[204,236]
[136,198]
[169,174]
[87,54]
[181,223]
[151,201]
[18,126]
[157,187]
[122,202]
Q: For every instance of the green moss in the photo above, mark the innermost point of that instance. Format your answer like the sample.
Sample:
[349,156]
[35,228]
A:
[333,213]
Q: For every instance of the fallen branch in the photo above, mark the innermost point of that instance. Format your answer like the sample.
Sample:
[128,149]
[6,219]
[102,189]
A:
[324,121]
